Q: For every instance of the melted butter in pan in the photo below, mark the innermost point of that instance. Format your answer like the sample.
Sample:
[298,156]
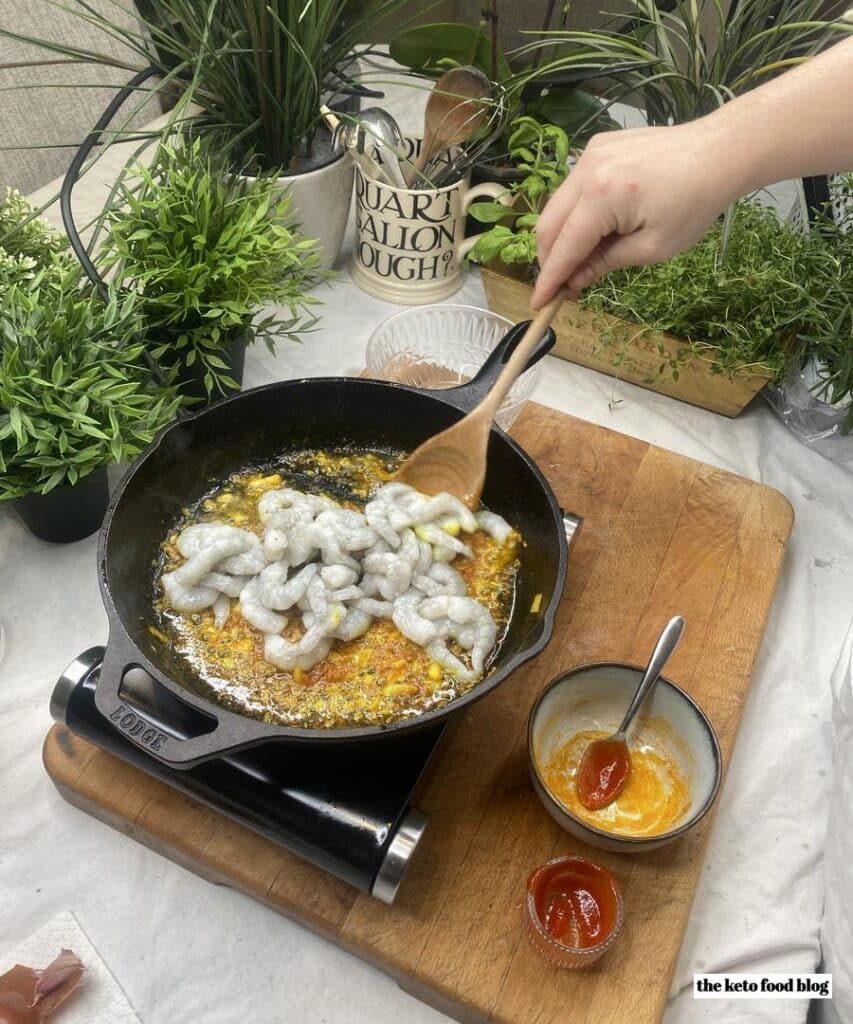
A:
[376,679]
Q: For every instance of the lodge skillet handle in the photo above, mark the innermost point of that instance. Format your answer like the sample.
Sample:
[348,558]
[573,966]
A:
[129,720]
[468,396]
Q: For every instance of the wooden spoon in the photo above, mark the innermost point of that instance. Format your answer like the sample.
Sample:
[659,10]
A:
[606,763]
[454,111]
[455,459]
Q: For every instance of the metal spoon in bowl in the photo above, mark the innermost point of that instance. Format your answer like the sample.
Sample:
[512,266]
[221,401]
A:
[606,764]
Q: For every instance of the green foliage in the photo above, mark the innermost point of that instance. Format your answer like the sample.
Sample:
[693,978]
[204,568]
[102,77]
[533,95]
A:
[768,297]
[75,392]
[749,305]
[827,263]
[542,151]
[259,69]
[433,49]
[693,58]
[256,69]
[752,294]
[576,111]
[437,47]
[27,243]
[204,248]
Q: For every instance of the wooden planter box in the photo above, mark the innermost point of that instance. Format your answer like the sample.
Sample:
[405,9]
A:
[578,332]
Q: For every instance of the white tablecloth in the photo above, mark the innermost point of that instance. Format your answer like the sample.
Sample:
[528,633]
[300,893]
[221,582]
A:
[185,951]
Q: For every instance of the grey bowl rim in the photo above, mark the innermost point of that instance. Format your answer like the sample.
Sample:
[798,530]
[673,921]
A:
[542,787]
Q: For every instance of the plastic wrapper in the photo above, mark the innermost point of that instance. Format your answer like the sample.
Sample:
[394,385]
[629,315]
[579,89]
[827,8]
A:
[813,420]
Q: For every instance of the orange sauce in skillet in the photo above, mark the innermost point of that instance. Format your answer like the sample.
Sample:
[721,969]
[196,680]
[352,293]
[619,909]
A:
[378,678]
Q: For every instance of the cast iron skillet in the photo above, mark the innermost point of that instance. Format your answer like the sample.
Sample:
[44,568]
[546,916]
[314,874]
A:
[192,454]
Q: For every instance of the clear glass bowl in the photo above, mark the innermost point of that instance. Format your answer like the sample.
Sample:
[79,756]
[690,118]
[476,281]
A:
[441,346]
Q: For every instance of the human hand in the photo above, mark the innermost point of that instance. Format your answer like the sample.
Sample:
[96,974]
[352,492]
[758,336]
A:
[636,196]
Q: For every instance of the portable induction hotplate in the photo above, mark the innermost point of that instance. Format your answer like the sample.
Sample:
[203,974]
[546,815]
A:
[345,808]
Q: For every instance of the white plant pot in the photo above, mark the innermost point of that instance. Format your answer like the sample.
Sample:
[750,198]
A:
[321,203]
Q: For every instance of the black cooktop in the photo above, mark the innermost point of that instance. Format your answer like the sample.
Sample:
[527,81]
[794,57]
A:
[345,808]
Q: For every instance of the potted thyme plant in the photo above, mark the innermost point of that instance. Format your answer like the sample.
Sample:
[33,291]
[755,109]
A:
[252,74]
[203,249]
[753,300]
[75,395]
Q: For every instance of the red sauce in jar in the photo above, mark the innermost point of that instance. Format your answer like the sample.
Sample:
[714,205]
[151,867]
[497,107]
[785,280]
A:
[575,901]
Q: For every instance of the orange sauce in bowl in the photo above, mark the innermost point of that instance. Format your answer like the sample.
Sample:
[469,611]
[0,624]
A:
[655,798]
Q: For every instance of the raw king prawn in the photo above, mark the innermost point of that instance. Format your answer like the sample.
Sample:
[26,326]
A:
[336,570]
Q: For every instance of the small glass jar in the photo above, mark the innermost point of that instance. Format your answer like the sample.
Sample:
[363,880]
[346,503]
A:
[555,951]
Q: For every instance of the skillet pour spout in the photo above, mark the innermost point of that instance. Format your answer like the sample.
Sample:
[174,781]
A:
[255,428]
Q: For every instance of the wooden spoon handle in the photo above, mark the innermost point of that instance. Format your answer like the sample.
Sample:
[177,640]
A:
[413,170]
[523,350]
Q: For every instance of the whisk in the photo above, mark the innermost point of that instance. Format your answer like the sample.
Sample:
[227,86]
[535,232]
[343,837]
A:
[448,167]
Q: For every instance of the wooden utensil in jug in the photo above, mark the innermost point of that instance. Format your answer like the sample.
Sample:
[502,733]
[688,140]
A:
[454,111]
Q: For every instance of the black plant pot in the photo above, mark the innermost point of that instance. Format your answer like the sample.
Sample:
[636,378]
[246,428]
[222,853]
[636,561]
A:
[67,513]
[503,174]
[190,379]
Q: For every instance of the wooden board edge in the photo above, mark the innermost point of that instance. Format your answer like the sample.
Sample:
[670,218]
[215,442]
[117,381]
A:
[56,765]
[784,511]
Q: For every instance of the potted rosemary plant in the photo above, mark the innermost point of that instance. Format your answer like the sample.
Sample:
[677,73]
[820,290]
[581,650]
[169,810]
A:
[252,74]
[75,395]
[203,249]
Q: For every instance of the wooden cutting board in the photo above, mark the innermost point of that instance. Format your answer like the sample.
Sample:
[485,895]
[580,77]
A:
[662,534]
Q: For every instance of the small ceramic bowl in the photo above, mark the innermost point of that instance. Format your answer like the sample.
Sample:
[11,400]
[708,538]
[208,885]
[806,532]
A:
[596,697]
[442,346]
